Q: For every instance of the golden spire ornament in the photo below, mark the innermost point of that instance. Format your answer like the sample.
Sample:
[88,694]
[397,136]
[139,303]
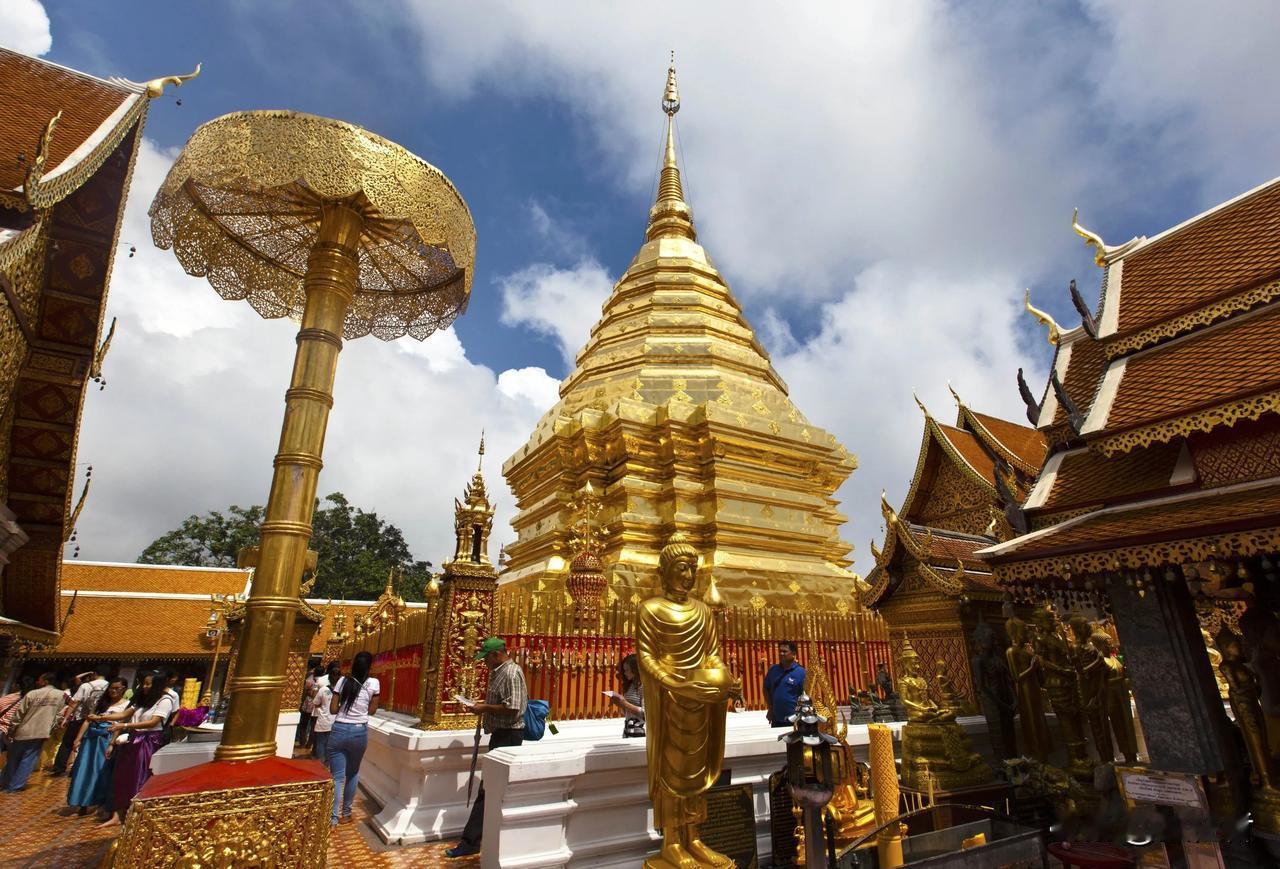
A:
[670,215]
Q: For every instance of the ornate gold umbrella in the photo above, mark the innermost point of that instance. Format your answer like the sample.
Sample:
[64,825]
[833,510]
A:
[349,233]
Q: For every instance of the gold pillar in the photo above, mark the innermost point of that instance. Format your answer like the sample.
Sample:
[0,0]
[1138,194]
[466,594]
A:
[260,677]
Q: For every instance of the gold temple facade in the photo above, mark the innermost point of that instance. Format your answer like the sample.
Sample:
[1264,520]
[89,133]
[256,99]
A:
[675,415]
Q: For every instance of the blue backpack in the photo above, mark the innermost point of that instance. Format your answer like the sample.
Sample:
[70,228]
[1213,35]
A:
[535,720]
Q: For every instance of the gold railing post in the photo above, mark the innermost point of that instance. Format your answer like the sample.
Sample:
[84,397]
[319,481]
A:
[330,282]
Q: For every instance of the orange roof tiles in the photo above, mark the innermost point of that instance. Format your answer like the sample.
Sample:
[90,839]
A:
[1235,360]
[122,627]
[1086,479]
[1023,442]
[1084,370]
[100,576]
[1172,520]
[32,92]
[1214,256]
[970,450]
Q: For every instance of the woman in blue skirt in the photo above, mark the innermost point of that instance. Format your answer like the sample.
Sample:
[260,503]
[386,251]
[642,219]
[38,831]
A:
[88,781]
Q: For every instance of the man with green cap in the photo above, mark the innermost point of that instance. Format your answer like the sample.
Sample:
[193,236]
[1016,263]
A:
[502,714]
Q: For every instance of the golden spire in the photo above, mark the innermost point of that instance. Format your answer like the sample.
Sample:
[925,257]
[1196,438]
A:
[670,215]
[480,464]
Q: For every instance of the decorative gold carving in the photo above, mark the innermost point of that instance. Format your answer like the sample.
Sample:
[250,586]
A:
[1235,544]
[1227,413]
[240,205]
[1202,316]
[276,825]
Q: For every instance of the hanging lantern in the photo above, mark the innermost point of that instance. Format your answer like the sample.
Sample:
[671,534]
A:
[586,585]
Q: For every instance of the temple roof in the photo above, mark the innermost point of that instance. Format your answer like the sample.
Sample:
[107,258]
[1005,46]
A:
[166,578]
[1159,393]
[1242,519]
[1022,446]
[1082,478]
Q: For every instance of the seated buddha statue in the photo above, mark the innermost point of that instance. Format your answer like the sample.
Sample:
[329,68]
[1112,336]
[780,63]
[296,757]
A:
[932,743]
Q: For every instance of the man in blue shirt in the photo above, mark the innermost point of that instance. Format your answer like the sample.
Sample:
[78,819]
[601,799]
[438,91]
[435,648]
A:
[783,685]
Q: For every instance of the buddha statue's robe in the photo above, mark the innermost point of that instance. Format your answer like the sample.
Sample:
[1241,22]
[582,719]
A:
[684,732]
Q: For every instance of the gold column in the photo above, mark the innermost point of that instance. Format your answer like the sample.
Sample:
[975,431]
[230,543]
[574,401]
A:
[884,781]
[330,282]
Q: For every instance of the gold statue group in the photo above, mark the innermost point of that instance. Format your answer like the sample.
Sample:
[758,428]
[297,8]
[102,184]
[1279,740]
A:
[1075,667]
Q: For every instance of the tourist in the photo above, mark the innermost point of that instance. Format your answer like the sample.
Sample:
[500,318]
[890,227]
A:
[306,709]
[355,698]
[30,726]
[153,704]
[631,700]
[783,685]
[323,717]
[85,699]
[8,706]
[503,718]
[89,775]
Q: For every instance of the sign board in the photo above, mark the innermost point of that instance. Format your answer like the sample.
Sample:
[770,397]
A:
[1161,788]
[782,822]
[730,827]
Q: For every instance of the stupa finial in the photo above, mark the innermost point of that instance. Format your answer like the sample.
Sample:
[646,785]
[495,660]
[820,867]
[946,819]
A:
[670,215]
[480,463]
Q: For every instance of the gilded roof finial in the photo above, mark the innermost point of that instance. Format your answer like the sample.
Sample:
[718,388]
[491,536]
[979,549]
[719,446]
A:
[1090,238]
[480,464]
[1055,332]
[155,87]
[955,395]
[920,404]
[670,215]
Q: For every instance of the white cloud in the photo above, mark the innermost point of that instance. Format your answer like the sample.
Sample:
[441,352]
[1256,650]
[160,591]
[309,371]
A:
[561,303]
[190,418]
[908,168]
[24,26]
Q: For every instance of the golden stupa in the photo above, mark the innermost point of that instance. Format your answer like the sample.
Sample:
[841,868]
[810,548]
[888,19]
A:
[678,421]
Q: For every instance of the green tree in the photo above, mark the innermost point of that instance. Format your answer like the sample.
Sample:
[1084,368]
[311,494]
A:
[356,549]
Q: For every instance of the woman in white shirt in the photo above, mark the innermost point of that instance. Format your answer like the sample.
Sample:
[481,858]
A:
[152,706]
[320,709]
[355,698]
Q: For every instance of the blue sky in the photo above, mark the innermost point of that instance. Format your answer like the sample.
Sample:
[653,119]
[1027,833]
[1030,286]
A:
[877,181]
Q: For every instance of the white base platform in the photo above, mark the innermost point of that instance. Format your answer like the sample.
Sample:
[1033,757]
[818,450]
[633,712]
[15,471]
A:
[576,799]
[199,746]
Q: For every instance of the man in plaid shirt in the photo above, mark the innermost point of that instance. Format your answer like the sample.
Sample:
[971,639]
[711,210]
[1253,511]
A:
[503,718]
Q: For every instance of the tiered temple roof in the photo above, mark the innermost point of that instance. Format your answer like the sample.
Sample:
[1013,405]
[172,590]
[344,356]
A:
[1172,454]
[965,477]
[67,146]
[676,416]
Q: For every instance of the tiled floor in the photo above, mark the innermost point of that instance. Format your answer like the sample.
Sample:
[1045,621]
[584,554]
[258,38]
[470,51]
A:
[33,833]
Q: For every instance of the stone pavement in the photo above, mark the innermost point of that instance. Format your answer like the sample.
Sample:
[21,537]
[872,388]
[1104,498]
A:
[33,833]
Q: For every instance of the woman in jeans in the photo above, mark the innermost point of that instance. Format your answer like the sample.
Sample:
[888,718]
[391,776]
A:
[355,698]
[631,700]
[320,709]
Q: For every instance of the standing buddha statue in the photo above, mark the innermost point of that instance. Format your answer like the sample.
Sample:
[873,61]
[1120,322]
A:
[1119,708]
[686,689]
[1028,679]
[1091,677]
[1061,683]
[1245,698]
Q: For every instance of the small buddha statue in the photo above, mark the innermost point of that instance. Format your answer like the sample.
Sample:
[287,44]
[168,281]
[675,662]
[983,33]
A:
[1245,695]
[949,696]
[1024,667]
[687,689]
[1061,684]
[932,742]
[1215,660]
[1119,708]
[1091,679]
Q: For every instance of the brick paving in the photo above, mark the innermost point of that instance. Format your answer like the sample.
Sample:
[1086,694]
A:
[34,834]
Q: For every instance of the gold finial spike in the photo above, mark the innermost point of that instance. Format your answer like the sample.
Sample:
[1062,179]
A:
[955,395]
[920,404]
[1090,238]
[1055,331]
[480,464]
[890,514]
[155,87]
[670,215]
